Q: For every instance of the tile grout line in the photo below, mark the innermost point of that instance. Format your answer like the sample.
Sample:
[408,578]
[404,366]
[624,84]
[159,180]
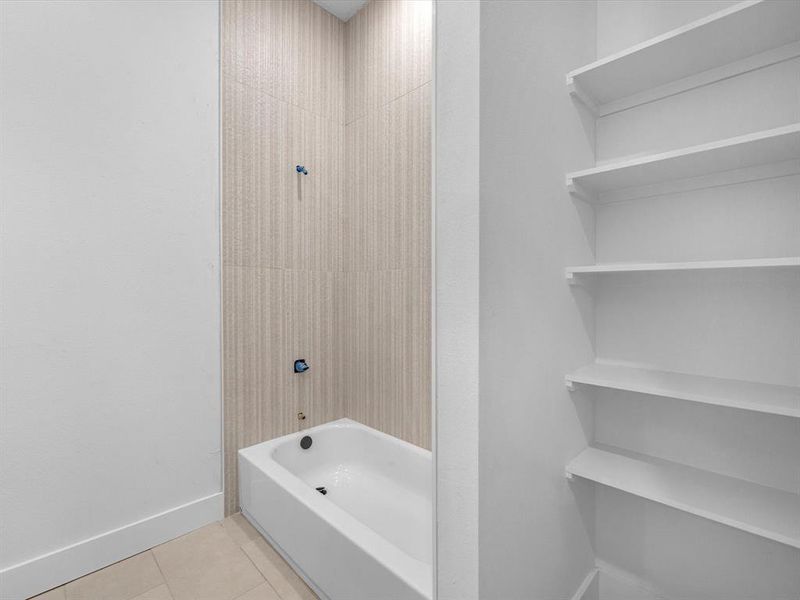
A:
[160,570]
[262,538]
[155,586]
[387,103]
[252,562]
[287,269]
[241,549]
[257,586]
[258,90]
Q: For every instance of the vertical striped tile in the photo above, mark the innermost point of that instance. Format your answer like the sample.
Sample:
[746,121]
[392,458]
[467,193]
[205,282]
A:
[388,53]
[388,185]
[332,267]
[386,307]
[255,364]
[387,351]
[292,50]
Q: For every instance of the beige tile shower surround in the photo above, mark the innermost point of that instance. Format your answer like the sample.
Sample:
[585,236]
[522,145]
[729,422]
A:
[333,267]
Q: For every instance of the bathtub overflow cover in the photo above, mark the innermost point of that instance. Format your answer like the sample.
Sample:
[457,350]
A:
[306,442]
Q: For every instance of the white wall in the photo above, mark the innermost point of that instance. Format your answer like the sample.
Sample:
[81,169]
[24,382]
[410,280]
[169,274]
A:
[534,539]
[743,326]
[456,295]
[110,293]
[624,23]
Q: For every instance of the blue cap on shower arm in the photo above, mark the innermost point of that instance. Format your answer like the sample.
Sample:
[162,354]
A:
[301,366]
[302,169]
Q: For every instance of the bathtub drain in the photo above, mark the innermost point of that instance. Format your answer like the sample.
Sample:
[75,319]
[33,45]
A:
[321,489]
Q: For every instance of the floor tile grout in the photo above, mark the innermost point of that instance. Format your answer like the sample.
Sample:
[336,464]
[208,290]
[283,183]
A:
[160,570]
[258,586]
[250,541]
[241,549]
[268,582]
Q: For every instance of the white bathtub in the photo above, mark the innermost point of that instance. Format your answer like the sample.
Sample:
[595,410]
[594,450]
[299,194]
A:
[371,536]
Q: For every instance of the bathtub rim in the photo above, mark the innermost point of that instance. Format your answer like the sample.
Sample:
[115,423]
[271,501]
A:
[417,574]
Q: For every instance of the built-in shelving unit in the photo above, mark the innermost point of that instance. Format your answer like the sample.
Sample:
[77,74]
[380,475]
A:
[732,393]
[772,146]
[743,324]
[740,38]
[705,265]
[767,512]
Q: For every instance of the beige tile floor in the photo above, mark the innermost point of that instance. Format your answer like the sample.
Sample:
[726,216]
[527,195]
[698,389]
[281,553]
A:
[228,560]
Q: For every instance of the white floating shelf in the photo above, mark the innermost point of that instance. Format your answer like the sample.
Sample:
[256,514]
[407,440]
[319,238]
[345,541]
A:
[746,395]
[694,55]
[760,148]
[708,265]
[764,511]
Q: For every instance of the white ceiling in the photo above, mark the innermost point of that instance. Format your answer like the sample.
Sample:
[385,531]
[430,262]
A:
[344,9]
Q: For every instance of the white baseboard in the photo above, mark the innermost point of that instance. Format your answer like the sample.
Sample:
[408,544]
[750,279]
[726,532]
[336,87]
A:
[50,570]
